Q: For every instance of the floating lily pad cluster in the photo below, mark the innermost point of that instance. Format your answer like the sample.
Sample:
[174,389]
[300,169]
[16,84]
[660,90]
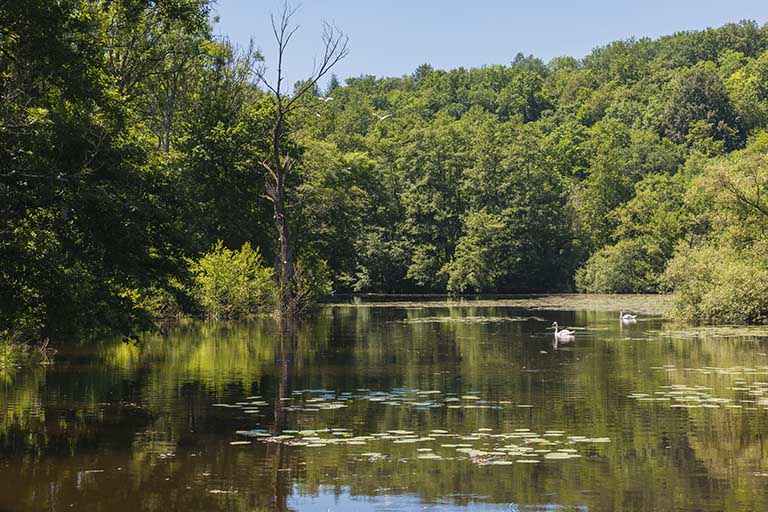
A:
[682,396]
[251,406]
[716,331]
[745,395]
[315,400]
[469,319]
[716,370]
[482,447]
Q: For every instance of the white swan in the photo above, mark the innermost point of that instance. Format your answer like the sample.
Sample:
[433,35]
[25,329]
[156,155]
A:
[627,317]
[564,333]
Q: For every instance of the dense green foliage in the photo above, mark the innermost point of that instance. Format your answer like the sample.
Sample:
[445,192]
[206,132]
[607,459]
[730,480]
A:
[721,274]
[131,141]
[313,280]
[571,174]
[233,284]
[719,284]
[88,203]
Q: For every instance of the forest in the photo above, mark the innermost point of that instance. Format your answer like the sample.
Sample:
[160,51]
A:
[132,176]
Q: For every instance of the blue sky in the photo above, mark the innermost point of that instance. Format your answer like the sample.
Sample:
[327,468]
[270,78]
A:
[391,38]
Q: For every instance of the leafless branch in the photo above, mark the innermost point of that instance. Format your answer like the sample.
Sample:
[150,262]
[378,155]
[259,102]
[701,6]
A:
[335,48]
[269,170]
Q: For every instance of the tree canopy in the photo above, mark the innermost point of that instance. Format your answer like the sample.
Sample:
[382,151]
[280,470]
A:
[132,142]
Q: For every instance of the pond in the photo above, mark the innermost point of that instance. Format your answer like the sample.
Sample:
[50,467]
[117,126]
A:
[423,405]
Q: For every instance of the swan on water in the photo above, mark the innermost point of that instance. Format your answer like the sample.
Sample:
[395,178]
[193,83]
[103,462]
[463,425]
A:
[564,333]
[627,317]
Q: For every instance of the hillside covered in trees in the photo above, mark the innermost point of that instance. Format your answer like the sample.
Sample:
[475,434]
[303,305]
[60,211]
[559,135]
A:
[131,140]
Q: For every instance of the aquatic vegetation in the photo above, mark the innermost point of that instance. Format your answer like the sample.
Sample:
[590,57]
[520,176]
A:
[483,446]
[325,400]
[469,319]
[643,304]
[750,396]
[715,331]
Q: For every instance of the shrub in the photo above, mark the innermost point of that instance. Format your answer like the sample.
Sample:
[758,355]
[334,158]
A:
[172,300]
[313,280]
[233,284]
[627,267]
[718,284]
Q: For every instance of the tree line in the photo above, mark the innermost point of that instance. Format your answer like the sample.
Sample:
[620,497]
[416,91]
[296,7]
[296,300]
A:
[133,141]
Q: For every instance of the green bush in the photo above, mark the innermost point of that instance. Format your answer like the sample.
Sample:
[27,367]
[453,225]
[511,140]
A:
[169,300]
[718,284]
[313,280]
[626,267]
[233,284]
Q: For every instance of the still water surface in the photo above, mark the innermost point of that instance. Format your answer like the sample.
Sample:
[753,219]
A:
[398,406]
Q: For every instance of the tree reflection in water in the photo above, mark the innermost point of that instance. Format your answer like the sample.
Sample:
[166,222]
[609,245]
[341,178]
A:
[132,427]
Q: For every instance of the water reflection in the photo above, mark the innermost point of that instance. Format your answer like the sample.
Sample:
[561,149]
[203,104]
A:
[133,427]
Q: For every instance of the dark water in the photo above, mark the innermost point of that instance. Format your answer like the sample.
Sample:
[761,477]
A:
[626,417]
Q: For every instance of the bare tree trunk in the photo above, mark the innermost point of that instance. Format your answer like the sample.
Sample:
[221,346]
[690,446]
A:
[334,49]
[287,271]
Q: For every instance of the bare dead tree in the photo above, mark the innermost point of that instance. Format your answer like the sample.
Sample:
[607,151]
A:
[279,166]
